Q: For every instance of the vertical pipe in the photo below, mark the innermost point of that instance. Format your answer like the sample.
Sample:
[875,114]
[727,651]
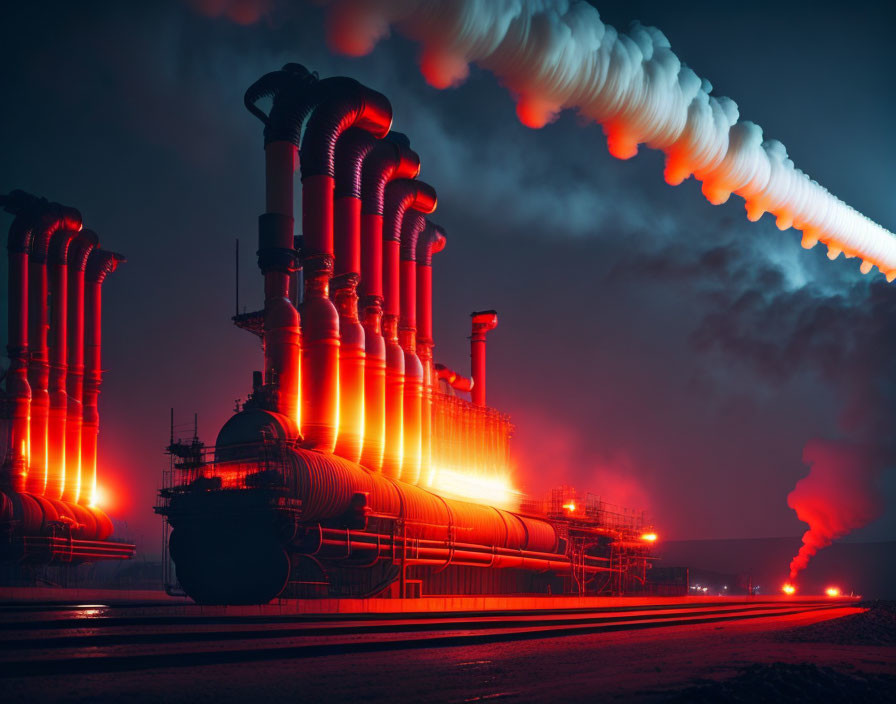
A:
[18,390]
[351,150]
[412,417]
[294,91]
[276,259]
[58,271]
[432,240]
[100,264]
[79,250]
[401,195]
[390,159]
[56,217]
[483,321]
[347,104]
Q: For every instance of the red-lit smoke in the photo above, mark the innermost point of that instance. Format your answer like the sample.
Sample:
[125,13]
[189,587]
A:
[835,498]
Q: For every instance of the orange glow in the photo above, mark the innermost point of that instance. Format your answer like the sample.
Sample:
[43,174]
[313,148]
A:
[832,591]
[492,490]
[788,589]
[649,537]
[100,498]
[571,506]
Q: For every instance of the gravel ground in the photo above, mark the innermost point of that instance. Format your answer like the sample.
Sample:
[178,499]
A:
[877,626]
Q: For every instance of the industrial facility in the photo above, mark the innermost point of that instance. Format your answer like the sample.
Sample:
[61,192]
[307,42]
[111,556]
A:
[356,467]
[50,418]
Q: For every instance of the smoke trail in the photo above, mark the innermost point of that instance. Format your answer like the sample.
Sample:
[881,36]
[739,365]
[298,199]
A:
[836,498]
[557,54]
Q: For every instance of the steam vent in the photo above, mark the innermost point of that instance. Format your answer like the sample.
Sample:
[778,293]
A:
[355,468]
[50,419]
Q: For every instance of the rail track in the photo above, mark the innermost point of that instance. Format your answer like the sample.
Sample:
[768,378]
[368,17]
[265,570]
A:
[38,639]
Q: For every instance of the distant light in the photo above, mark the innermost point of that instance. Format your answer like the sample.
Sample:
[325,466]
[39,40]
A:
[649,537]
[571,506]
[832,591]
[705,589]
[788,589]
[724,587]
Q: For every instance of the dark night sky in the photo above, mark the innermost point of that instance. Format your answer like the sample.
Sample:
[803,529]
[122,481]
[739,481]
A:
[653,348]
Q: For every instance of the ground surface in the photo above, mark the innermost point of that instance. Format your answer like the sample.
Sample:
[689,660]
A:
[807,657]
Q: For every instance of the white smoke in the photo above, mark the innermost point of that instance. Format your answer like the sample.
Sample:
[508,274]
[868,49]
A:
[554,55]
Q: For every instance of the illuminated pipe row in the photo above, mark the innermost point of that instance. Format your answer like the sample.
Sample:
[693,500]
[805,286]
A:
[48,254]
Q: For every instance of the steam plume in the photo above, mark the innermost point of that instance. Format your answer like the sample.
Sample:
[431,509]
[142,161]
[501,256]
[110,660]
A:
[557,54]
[836,497]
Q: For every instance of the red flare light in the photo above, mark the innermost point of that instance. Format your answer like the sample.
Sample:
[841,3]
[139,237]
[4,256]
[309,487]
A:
[832,591]
[649,537]
[788,589]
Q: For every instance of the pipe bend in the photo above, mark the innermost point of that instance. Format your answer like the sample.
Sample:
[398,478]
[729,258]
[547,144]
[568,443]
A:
[431,241]
[101,263]
[293,89]
[402,195]
[390,159]
[345,104]
[352,149]
[413,224]
[80,248]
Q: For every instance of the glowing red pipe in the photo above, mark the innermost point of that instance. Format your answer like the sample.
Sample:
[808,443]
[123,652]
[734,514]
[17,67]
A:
[294,91]
[401,196]
[351,150]
[412,413]
[431,240]
[18,391]
[390,159]
[347,104]
[58,270]
[55,218]
[99,265]
[79,251]
[483,321]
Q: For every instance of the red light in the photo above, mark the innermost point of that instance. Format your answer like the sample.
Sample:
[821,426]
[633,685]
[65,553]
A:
[832,591]
[788,589]
[649,537]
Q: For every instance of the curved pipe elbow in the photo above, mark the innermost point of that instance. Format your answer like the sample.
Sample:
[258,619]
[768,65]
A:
[453,379]
[80,248]
[412,225]
[101,263]
[293,89]
[352,149]
[403,195]
[431,241]
[346,103]
[392,158]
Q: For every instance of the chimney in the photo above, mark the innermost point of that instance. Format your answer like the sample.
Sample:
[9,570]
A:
[54,218]
[412,413]
[294,91]
[99,265]
[351,150]
[401,196]
[346,104]
[483,321]
[18,391]
[78,252]
[390,159]
[57,263]
[431,240]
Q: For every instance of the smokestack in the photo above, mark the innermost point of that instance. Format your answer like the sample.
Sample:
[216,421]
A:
[390,159]
[412,413]
[347,104]
[55,218]
[483,321]
[401,196]
[294,91]
[18,391]
[58,271]
[431,240]
[99,265]
[351,150]
[78,252]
